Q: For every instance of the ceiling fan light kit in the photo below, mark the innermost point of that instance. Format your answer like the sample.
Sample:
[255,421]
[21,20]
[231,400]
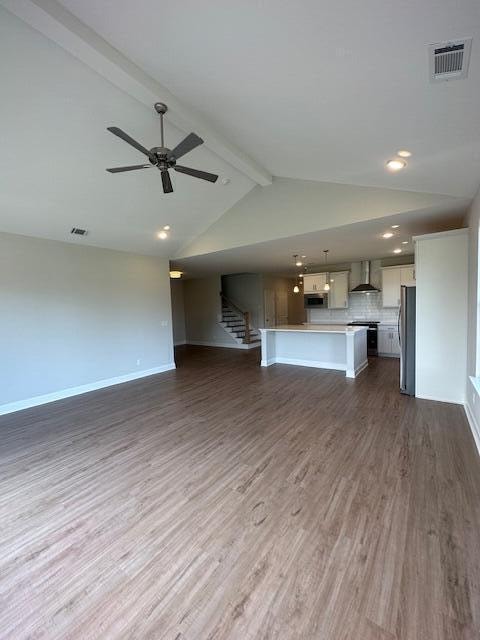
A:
[162,157]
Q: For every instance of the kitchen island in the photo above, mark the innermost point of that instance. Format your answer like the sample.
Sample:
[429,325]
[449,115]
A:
[338,347]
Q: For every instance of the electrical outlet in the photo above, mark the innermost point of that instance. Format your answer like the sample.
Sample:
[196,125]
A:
[138,362]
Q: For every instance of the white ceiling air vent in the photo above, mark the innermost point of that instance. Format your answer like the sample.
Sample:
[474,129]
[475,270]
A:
[78,232]
[449,60]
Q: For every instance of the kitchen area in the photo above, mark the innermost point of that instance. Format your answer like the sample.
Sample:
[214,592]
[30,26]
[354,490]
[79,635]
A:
[375,296]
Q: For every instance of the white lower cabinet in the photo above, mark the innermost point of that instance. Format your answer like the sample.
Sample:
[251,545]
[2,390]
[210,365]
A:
[388,342]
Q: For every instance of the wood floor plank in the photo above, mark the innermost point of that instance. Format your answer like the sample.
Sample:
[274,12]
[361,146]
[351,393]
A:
[222,501]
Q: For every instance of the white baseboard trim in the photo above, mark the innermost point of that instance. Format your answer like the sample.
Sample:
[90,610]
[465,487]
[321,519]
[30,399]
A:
[474,426]
[317,364]
[435,399]
[222,345]
[353,373]
[11,407]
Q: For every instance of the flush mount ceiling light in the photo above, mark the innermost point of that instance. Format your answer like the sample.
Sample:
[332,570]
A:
[166,227]
[403,153]
[327,275]
[397,251]
[396,165]
[395,226]
[389,234]
[163,235]
[175,275]
[405,242]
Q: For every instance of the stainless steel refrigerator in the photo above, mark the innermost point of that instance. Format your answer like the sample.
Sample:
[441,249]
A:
[406,334]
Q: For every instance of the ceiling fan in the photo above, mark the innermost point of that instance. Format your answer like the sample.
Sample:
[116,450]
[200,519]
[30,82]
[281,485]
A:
[162,157]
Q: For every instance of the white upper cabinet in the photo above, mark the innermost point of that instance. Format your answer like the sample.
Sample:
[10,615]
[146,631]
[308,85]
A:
[338,294]
[392,279]
[314,283]
[391,287]
[407,276]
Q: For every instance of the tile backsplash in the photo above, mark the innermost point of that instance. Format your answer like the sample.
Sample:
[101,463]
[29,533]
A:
[361,306]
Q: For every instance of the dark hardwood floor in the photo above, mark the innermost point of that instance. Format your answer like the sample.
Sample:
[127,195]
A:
[225,501]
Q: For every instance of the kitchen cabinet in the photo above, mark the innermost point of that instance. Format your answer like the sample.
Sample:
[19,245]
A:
[388,342]
[338,294]
[392,279]
[314,283]
[407,276]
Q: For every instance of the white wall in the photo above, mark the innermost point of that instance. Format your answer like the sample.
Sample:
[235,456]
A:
[246,291]
[178,312]
[292,207]
[441,337]
[473,342]
[73,316]
[203,311]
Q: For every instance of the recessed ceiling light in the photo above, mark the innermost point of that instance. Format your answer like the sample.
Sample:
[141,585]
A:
[405,242]
[404,153]
[397,251]
[389,234]
[396,165]
[304,256]
[163,235]
[300,275]
[166,227]
[395,226]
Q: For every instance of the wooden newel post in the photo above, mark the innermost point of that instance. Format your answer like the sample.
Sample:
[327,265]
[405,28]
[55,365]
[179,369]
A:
[246,317]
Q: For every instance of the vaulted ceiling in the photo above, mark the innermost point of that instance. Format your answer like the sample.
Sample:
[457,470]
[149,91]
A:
[312,93]
[313,89]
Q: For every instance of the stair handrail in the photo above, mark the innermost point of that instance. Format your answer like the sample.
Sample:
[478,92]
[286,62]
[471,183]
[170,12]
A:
[244,314]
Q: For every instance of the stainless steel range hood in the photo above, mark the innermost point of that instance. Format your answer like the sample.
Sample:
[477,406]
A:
[365,286]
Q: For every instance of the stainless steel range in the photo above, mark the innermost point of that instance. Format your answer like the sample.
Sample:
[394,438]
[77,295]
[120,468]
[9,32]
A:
[372,334]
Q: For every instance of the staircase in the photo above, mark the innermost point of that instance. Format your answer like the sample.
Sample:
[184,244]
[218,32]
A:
[235,322]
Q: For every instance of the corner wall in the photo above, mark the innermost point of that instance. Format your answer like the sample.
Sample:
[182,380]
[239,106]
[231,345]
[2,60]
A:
[178,312]
[75,318]
[472,404]
[203,312]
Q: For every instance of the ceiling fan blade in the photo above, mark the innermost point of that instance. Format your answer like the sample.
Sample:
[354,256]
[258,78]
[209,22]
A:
[187,144]
[204,175]
[131,168]
[167,183]
[124,136]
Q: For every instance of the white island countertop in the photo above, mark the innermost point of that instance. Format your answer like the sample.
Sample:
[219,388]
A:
[316,328]
[324,346]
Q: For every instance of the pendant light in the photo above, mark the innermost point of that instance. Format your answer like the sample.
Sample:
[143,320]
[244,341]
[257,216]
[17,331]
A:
[327,275]
[298,263]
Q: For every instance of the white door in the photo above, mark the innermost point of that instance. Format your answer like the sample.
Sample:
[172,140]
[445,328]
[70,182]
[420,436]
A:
[391,287]
[281,307]
[269,307]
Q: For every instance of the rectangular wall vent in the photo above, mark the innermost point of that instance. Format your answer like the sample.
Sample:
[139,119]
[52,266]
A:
[79,232]
[449,60]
